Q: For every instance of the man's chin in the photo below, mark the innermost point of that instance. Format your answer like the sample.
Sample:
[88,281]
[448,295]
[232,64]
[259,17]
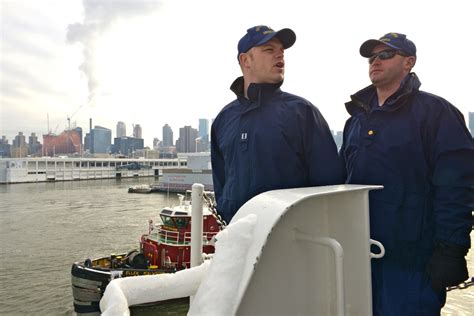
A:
[278,79]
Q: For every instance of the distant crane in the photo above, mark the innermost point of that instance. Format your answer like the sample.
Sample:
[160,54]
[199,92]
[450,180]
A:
[49,129]
[72,115]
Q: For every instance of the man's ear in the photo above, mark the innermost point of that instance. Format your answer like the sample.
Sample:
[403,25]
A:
[410,62]
[243,60]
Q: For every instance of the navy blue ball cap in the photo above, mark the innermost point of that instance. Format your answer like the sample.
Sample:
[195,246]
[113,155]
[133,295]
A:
[259,35]
[394,40]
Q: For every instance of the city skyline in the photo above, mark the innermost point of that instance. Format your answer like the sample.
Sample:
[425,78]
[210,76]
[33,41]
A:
[168,132]
[99,140]
[200,141]
[151,61]
[130,132]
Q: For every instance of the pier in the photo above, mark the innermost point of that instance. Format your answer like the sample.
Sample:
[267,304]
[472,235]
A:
[44,169]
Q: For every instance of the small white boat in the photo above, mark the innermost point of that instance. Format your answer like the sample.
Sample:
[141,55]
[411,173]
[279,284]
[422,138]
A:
[142,188]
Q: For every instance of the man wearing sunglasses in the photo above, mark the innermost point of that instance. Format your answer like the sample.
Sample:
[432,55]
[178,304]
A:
[417,146]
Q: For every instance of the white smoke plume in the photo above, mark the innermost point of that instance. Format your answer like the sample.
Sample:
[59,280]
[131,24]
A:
[98,16]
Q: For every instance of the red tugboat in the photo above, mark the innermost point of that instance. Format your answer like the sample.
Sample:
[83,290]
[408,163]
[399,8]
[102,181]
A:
[166,248]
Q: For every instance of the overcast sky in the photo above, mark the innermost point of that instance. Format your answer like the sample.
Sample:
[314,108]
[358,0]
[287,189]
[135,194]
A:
[172,61]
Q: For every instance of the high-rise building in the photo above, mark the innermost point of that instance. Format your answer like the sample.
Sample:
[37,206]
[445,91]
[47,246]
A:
[137,131]
[4,147]
[156,143]
[167,136]
[78,130]
[34,146]
[87,142]
[100,140]
[68,142]
[471,123]
[187,141]
[19,147]
[127,145]
[20,140]
[204,128]
[87,138]
[121,129]
[203,144]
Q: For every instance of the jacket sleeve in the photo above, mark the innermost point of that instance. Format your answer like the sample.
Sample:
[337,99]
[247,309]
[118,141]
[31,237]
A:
[322,159]
[452,163]
[218,167]
[342,157]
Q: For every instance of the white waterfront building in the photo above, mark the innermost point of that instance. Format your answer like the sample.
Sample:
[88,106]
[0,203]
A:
[179,179]
[18,170]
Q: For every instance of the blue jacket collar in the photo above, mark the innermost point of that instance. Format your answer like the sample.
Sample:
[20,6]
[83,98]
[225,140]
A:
[257,92]
[360,101]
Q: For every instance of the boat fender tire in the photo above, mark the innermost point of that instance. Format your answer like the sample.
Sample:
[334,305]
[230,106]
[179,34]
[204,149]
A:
[137,260]
[91,307]
[82,273]
[88,263]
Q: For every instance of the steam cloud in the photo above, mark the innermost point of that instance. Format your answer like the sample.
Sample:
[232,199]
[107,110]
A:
[98,16]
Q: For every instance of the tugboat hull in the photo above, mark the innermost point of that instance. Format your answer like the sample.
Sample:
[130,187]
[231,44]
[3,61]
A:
[164,249]
[90,278]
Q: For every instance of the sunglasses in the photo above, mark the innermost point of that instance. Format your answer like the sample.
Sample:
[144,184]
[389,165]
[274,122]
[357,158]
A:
[385,54]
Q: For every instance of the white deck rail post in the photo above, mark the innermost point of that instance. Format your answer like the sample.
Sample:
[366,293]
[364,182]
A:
[196,224]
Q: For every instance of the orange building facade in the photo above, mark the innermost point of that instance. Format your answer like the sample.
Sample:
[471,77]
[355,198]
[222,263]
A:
[68,142]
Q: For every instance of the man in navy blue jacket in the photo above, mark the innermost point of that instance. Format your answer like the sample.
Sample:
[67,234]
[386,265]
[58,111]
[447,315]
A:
[268,139]
[417,146]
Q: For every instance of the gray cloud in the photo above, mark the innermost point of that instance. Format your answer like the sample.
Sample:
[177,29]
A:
[27,41]
[20,83]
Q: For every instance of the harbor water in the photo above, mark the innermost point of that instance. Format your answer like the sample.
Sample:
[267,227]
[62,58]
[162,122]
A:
[45,227]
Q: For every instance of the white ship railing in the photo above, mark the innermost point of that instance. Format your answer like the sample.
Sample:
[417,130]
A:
[303,251]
